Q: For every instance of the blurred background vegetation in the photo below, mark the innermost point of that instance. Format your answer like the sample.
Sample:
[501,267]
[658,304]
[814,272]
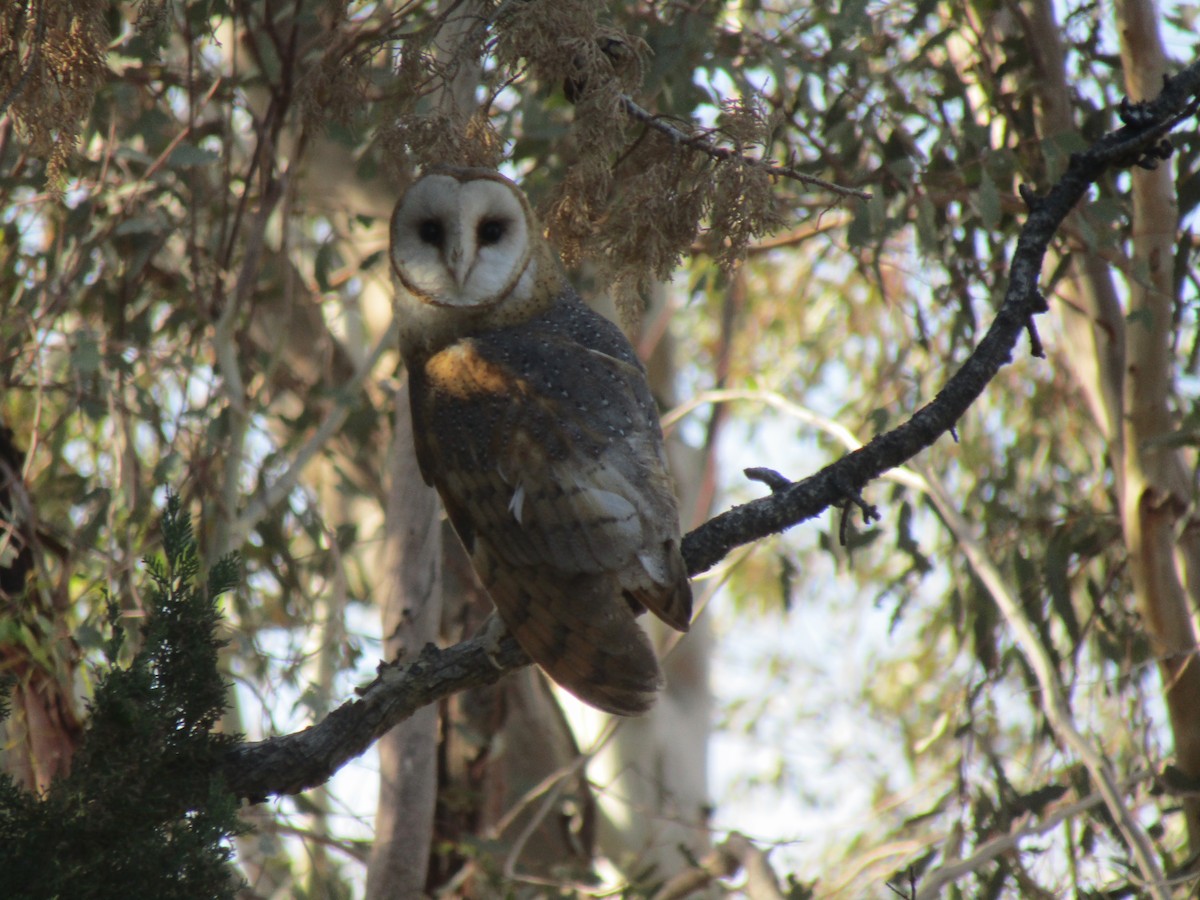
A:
[194,198]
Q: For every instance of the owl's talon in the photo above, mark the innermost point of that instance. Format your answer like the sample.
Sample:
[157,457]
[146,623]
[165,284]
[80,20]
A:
[491,634]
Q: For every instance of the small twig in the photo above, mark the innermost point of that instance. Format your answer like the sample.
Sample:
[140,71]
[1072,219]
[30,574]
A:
[721,154]
[934,882]
[1038,305]
[908,891]
[869,511]
[1054,699]
[823,224]
[769,477]
[19,85]
[1035,340]
[853,498]
[734,854]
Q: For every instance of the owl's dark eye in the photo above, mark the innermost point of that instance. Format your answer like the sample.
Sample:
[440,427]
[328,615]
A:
[490,231]
[430,231]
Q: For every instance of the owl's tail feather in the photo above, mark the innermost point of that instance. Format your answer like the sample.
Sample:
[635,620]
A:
[582,633]
[668,593]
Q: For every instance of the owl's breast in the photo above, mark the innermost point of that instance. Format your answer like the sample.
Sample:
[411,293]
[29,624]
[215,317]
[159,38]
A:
[483,410]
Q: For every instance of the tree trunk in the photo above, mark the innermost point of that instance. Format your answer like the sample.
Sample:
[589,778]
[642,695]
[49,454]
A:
[40,735]
[1157,483]
[1123,363]
[408,755]
[411,616]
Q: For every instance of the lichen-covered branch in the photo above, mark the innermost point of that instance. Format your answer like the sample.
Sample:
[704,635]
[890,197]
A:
[1138,142]
[292,763]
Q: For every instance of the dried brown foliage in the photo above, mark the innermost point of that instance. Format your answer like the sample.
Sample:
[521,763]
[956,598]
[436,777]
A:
[52,61]
[629,199]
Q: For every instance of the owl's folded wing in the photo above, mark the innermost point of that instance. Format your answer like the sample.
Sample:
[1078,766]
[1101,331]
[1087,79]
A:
[565,475]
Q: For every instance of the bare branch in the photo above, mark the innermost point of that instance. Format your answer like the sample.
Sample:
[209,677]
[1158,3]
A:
[698,142]
[296,762]
[736,853]
[709,543]
[934,882]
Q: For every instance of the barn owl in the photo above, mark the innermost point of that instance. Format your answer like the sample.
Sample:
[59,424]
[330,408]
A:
[533,419]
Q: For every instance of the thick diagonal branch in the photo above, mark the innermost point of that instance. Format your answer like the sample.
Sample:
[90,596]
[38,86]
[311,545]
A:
[292,763]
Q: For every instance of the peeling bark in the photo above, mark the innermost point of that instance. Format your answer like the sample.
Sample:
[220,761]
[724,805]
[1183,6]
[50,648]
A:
[1158,492]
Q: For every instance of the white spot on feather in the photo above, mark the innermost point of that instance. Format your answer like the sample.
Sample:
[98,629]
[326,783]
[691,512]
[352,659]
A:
[517,503]
[655,566]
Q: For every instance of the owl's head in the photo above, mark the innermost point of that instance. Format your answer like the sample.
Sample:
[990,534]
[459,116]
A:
[464,238]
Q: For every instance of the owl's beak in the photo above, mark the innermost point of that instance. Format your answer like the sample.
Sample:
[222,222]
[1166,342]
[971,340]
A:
[459,264]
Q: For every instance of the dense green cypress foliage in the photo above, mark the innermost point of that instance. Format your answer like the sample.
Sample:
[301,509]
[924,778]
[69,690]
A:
[143,812]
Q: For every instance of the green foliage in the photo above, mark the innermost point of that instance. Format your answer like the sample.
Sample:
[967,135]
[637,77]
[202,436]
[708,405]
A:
[143,812]
[228,191]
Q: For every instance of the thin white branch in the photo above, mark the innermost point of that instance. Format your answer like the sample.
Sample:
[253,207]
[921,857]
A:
[735,853]
[701,143]
[1053,699]
[286,483]
[933,882]
[900,474]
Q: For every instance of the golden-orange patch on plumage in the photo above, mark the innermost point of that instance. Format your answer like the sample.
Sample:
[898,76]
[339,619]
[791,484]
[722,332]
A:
[462,372]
